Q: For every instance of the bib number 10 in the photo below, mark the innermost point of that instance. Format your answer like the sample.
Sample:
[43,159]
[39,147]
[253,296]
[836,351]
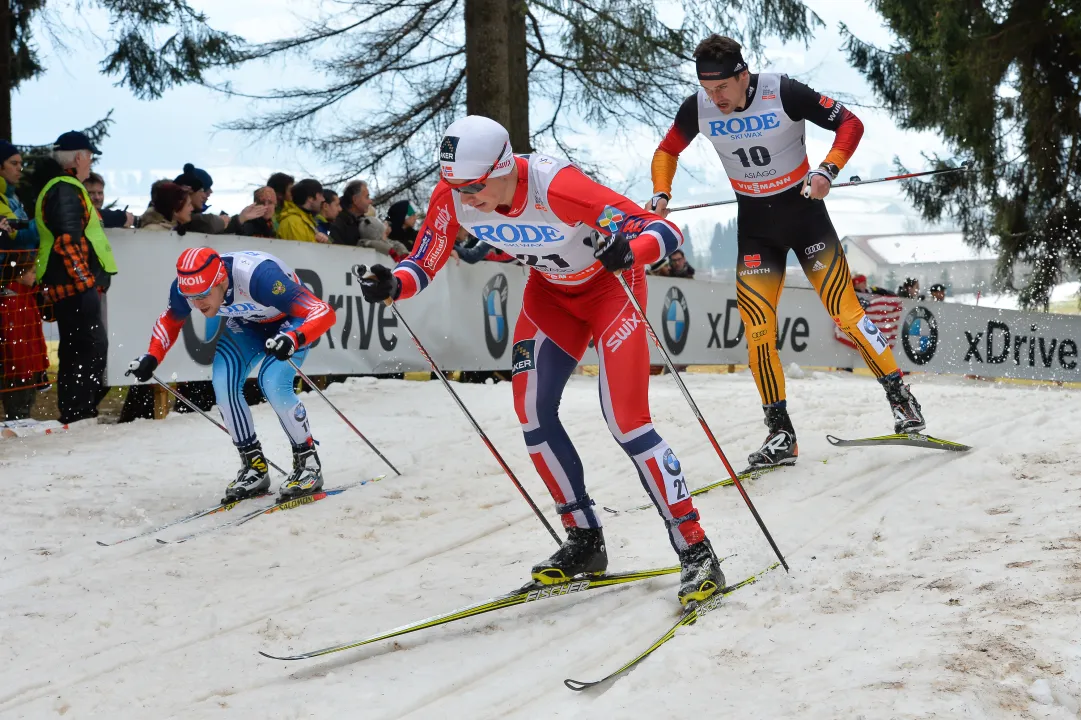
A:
[757,154]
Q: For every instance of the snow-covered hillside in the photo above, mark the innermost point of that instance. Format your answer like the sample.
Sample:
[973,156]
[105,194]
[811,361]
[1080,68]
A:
[923,584]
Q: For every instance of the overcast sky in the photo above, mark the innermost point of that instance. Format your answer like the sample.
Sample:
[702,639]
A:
[154,139]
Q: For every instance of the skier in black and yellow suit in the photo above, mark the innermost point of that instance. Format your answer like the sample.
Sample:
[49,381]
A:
[756,124]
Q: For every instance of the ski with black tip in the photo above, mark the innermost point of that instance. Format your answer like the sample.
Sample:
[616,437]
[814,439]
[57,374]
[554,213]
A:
[907,439]
[530,592]
[747,474]
[690,615]
[220,507]
[275,507]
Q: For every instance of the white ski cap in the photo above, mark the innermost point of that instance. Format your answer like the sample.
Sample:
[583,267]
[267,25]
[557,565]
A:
[471,147]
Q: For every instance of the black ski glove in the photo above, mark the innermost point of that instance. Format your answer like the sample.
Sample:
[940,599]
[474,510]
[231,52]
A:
[614,251]
[281,346]
[379,285]
[142,367]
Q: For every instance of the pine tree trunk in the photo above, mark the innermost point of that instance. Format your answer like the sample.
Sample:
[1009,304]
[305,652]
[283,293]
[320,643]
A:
[518,83]
[5,69]
[486,61]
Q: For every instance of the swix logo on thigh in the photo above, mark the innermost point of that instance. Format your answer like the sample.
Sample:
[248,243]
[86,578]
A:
[622,332]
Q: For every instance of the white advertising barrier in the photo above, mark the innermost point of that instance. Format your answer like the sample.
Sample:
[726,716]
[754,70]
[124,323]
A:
[465,319]
[699,324]
[970,340]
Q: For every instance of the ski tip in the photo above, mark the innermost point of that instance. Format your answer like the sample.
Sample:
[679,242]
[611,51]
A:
[163,542]
[833,439]
[578,685]
[102,544]
[273,657]
[949,444]
[610,510]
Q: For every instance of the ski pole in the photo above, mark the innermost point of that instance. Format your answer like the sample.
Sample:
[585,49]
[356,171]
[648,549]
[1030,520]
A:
[199,410]
[702,421]
[852,182]
[352,427]
[359,271]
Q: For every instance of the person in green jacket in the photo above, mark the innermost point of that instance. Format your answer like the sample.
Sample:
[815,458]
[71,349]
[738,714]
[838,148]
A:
[23,232]
[74,268]
[298,215]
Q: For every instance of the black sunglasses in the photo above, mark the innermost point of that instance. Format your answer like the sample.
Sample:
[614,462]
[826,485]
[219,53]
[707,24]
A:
[477,185]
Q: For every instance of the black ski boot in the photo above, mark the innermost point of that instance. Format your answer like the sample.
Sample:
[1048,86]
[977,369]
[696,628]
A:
[582,552]
[307,476]
[254,475]
[907,416]
[780,446]
[701,575]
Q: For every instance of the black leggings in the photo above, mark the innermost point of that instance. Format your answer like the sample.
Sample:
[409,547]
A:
[767,229]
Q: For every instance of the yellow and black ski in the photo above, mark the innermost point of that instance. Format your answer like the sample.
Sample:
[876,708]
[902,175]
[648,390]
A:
[909,439]
[690,615]
[530,592]
[748,474]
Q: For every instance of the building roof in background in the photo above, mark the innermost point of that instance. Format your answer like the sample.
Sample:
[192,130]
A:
[914,248]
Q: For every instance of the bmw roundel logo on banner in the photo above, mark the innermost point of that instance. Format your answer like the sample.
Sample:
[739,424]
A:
[919,335]
[496,330]
[675,320]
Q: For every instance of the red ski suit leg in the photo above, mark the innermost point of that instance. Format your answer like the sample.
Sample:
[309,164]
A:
[550,338]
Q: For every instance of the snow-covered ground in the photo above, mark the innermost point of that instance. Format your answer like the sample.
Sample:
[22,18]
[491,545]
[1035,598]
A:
[924,584]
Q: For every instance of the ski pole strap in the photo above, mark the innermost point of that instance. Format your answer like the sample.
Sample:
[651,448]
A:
[583,503]
[676,522]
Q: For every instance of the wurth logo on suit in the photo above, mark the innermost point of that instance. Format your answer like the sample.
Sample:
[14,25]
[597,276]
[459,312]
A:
[753,263]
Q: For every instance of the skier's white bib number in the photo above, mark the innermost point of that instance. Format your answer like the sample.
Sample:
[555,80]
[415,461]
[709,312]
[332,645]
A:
[675,485]
[873,334]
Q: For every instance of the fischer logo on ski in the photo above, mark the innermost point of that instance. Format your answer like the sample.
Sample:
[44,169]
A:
[557,590]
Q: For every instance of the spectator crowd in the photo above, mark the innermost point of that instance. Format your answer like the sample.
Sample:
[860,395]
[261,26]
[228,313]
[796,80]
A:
[910,289]
[56,263]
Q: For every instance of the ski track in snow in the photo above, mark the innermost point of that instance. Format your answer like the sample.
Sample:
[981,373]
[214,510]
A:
[924,584]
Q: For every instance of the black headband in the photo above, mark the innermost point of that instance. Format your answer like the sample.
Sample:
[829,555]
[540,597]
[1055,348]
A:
[709,69]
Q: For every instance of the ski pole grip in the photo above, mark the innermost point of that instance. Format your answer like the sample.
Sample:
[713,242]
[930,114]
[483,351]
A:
[359,271]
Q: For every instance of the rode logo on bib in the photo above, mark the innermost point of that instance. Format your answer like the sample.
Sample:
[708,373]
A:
[507,234]
[751,123]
